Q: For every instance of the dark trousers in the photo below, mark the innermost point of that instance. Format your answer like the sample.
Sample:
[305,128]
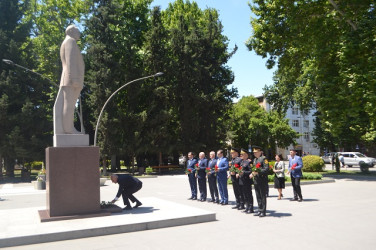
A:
[202,187]
[193,183]
[296,187]
[212,180]
[238,194]
[260,190]
[222,188]
[247,193]
[127,194]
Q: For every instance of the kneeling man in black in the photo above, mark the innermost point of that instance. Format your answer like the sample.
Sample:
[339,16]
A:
[128,185]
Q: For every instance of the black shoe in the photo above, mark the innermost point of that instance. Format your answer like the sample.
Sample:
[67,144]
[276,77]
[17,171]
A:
[300,199]
[295,199]
[257,214]
[137,204]
[127,208]
[241,207]
[194,198]
[224,203]
[217,201]
[236,207]
[221,202]
[190,198]
[262,215]
[202,200]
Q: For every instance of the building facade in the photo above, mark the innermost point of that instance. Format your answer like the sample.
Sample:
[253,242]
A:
[303,124]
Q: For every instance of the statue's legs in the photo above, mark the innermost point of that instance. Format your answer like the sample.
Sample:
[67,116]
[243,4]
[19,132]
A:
[58,113]
[70,96]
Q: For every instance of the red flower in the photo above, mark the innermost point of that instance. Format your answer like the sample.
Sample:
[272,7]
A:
[196,164]
[294,166]
[216,168]
[207,170]
[237,165]
[258,165]
[190,170]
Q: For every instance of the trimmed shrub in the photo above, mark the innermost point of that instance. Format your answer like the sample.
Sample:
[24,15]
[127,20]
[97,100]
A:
[148,170]
[364,167]
[35,165]
[313,163]
[311,176]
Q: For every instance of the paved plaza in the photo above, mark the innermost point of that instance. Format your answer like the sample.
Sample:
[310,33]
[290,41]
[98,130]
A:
[334,215]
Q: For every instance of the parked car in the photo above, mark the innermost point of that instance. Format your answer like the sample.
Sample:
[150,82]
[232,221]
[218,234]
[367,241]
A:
[328,157]
[356,158]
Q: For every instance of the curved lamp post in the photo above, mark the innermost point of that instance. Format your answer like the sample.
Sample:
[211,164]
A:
[79,114]
[100,114]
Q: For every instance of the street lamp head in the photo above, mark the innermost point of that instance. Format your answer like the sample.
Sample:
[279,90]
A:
[158,74]
[8,61]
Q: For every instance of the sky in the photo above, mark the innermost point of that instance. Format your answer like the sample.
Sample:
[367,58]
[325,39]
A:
[251,74]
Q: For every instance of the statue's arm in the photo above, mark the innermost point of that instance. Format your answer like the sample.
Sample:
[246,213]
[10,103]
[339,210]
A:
[72,57]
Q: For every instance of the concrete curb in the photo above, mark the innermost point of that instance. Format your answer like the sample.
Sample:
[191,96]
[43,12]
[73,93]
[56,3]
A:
[310,182]
[101,231]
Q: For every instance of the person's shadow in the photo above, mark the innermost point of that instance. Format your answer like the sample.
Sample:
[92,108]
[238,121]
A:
[140,210]
[273,213]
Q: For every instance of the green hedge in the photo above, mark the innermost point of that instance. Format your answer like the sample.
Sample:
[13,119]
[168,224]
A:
[313,163]
[35,165]
[306,176]
[148,170]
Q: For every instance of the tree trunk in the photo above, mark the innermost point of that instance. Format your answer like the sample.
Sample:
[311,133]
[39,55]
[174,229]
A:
[9,167]
[113,163]
[104,166]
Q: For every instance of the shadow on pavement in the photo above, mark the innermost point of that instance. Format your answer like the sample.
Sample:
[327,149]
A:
[356,176]
[139,210]
[272,213]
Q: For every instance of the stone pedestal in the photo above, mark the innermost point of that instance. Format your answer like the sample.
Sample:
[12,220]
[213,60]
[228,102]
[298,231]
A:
[71,140]
[72,185]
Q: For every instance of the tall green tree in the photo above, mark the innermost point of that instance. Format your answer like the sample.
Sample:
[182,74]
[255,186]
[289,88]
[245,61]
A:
[325,55]
[199,53]
[114,36]
[158,130]
[24,129]
[251,124]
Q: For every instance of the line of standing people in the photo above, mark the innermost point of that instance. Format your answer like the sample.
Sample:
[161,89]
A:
[244,173]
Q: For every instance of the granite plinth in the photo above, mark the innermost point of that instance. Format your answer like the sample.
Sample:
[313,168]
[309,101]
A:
[71,140]
[72,185]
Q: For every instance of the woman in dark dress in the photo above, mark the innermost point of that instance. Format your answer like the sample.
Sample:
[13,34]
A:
[279,177]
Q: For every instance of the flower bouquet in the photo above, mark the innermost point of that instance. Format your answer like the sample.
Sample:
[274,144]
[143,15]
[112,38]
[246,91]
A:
[216,168]
[232,170]
[207,170]
[238,168]
[257,168]
[188,171]
[106,204]
[294,166]
[197,167]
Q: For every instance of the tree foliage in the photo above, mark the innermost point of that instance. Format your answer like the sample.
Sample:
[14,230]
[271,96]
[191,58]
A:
[252,125]
[24,130]
[324,51]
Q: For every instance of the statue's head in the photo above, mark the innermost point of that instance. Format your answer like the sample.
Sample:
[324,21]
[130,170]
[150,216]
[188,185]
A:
[73,32]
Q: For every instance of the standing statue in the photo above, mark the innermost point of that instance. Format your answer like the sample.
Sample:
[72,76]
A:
[71,83]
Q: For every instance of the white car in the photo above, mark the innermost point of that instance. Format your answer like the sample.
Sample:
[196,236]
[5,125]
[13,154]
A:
[328,157]
[355,158]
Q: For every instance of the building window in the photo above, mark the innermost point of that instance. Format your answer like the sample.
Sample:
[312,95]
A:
[306,136]
[295,111]
[295,123]
[306,123]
